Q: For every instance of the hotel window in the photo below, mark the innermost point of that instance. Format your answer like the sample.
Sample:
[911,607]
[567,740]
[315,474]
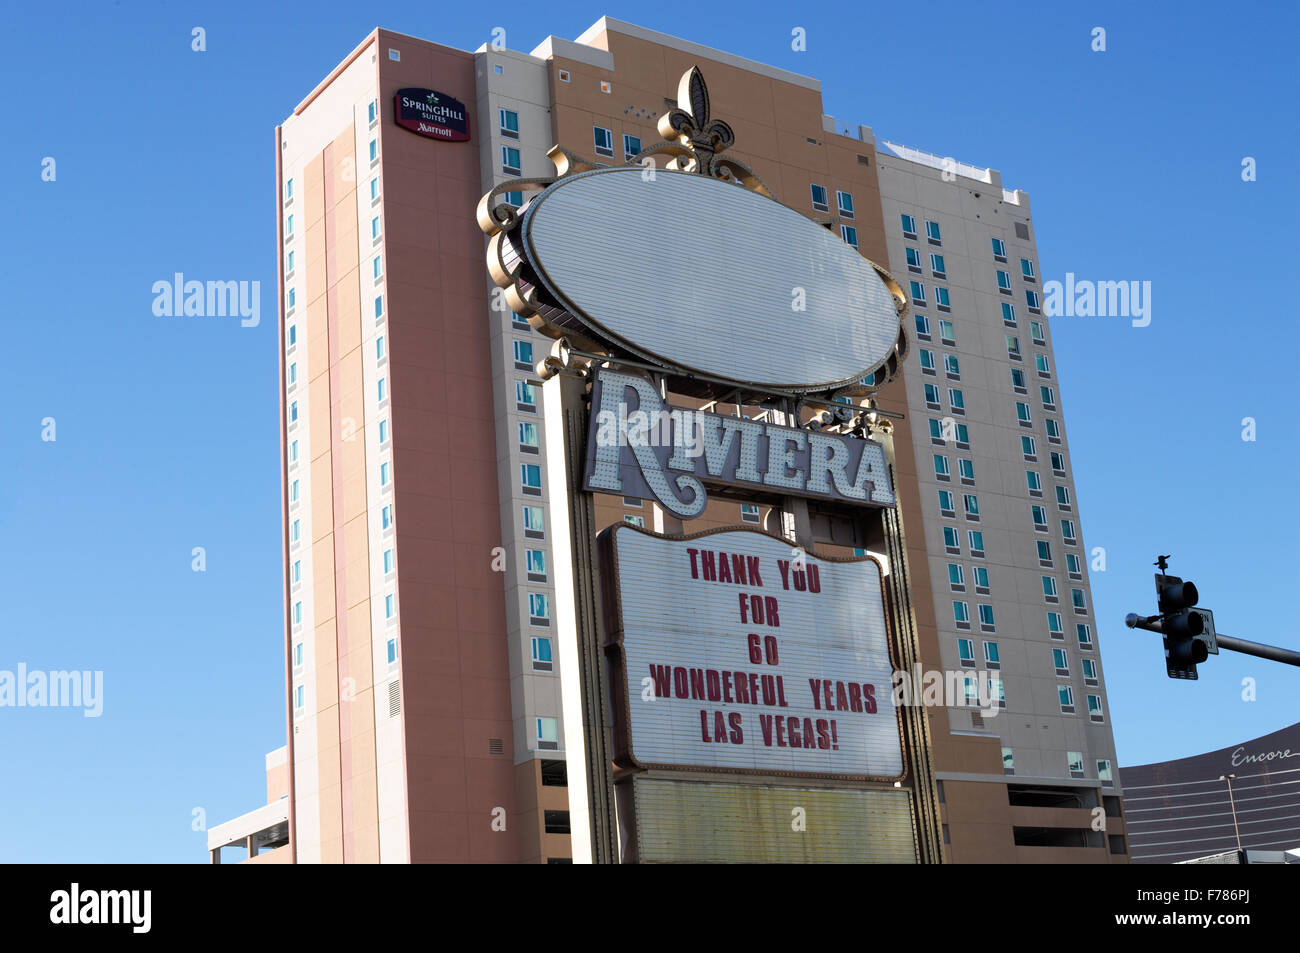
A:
[932,233]
[385,469]
[382,389]
[515,198]
[386,517]
[749,513]
[1013,347]
[1094,708]
[548,734]
[918,292]
[1048,395]
[528,437]
[941,300]
[1084,635]
[1022,413]
[293,335]
[534,522]
[1103,772]
[293,373]
[390,606]
[288,227]
[937,266]
[1053,429]
[288,191]
[1027,269]
[509,123]
[845,203]
[1058,463]
[542,661]
[966,470]
[1063,497]
[1040,361]
[297,613]
[991,656]
[539,609]
[1044,552]
[293,412]
[1031,301]
[379,348]
[1078,600]
[922,327]
[293,452]
[1018,380]
[377,268]
[966,652]
[1074,565]
[986,615]
[909,226]
[951,366]
[1075,760]
[523,355]
[388,561]
[947,503]
[297,654]
[635,520]
[293,491]
[849,234]
[1089,670]
[956,577]
[1061,662]
[951,539]
[1008,313]
[1054,627]
[1040,518]
[299,698]
[379,307]
[971,505]
[374,149]
[819,199]
[530,478]
[1049,588]
[941,467]
[999,250]
[1028,448]
[292,298]
[936,430]
[932,397]
[927,358]
[391,648]
[374,189]
[913,260]
[981,575]
[288,264]
[374,228]
[296,572]
[1004,281]
[604,139]
[1034,482]
[535,562]
[1008,761]
[961,615]
[1067,531]
[631,146]
[1036,332]
[525,396]
[976,538]
[1065,694]
[956,400]
[511,164]
[383,431]
[372,111]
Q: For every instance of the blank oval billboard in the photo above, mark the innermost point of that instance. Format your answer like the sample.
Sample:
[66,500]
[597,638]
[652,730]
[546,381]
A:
[702,275]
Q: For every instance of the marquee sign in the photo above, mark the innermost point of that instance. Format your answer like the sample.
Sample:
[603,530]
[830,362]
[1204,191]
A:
[430,113]
[733,652]
[638,446]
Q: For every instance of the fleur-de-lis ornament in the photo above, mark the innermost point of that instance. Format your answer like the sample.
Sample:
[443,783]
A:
[690,124]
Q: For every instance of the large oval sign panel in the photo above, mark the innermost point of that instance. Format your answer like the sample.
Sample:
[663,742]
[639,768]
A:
[703,275]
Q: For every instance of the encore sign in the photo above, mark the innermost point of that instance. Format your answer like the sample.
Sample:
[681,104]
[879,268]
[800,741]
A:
[735,652]
[428,112]
[638,446]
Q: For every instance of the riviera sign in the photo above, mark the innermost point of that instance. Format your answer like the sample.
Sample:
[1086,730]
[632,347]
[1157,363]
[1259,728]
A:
[650,450]
[430,113]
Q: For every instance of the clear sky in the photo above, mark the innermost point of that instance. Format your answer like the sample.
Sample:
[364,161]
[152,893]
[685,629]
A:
[166,428]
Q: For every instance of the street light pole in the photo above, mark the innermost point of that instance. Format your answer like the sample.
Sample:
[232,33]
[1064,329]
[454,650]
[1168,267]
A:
[1229,778]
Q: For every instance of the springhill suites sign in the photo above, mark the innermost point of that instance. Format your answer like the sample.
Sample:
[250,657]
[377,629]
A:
[430,113]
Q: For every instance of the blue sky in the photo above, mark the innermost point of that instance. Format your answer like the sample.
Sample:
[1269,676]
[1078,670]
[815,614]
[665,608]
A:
[167,427]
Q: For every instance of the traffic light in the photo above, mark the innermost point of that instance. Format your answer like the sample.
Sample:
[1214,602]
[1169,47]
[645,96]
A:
[1183,626]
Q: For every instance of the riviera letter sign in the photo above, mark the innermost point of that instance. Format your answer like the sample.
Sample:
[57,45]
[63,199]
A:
[648,450]
[430,113]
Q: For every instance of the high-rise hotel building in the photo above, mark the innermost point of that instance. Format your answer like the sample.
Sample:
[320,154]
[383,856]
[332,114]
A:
[423,692]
